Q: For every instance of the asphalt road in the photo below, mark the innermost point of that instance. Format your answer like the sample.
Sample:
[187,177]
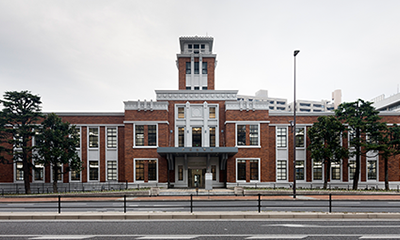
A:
[204,205]
[198,229]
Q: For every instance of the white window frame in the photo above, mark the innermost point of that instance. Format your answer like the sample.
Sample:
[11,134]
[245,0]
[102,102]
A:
[79,149]
[33,174]
[143,124]
[322,169]
[305,170]
[245,159]
[112,160]
[259,169]
[237,170]
[88,170]
[15,172]
[341,172]
[62,174]
[248,124]
[276,171]
[116,137]
[377,169]
[144,159]
[304,136]
[276,137]
[98,139]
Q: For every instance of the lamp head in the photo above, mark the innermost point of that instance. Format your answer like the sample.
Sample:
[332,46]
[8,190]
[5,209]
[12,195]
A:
[296,52]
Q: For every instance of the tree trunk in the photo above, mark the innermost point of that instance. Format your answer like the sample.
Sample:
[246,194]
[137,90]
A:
[27,183]
[357,172]
[386,174]
[55,177]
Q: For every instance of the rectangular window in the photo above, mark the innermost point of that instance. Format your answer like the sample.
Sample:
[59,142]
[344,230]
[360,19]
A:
[188,68]
[204,88]
[281,170]
[335,167]
[111,137]
[281,137]
[241,135]
[254,135]
[75,176]
[299,170]
[214,172]
[299,137]
[181,136]
[139,135]
[241,170]
[112,171]
[212,136]
[204,68]
[371,169]
[39,170]
[181,112]
[254,170]
[77,133]
[93,137]
[317,170]
[196,46]
[152,135]
[196,68]
[190,46]
[180,173]
[139,170]
[212,112]
[152,168]
[19,171]
[352,169]
[196,137]
[93,170]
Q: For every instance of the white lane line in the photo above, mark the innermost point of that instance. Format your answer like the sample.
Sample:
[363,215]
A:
[380,236]
[278,236]
[168,237]
[324,226]
[62,237]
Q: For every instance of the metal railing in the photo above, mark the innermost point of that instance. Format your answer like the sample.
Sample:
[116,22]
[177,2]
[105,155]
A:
[258,202]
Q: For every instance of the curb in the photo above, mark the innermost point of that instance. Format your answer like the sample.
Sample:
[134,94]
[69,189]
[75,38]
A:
[193,216]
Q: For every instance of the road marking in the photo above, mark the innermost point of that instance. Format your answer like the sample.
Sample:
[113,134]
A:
[63,237]
[380,236]
[169,237]
[277,236]
[324,226]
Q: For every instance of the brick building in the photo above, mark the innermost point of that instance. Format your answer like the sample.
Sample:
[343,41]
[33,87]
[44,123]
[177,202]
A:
[184,134]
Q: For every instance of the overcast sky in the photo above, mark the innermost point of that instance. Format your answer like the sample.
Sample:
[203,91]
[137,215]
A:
[93,55]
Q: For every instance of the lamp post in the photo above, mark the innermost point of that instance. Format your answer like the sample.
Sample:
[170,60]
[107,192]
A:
[294,126]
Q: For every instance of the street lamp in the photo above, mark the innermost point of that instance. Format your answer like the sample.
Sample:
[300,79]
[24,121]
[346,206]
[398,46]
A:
[294,126]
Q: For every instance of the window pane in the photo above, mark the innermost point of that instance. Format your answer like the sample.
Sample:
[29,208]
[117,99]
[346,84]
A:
[241,169]
[152,168]
[253,169]
[112,170]
[77,133]
[371,170]
[204,68]
[335,171]
[188,68]
[212,136]
[253,134]
[181,112]
[299,170]
[241,135]
[93,170]
[281,137]
[152,135]
[196,137]
[139,170]
[93,137]
[299,137]
[139,135]
[352,169]
[181,137]
[111,137]
[212,112]
[75,176]
[38,172]
[281,170]
[196,68]
[317,170]
[20,171]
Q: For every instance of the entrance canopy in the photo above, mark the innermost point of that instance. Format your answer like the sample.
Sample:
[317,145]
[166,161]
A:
[170,153]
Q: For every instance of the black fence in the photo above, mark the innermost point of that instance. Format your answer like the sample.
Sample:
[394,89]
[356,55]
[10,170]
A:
[260,202]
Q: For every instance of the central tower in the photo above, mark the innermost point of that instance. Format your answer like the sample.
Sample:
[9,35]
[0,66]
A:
[196,63]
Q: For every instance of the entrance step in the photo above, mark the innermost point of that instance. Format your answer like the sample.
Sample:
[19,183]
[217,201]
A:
[187,192]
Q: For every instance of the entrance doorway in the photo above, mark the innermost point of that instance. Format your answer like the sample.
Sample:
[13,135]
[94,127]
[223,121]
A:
[196,178]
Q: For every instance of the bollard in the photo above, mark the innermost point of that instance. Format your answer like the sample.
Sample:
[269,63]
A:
[259,203]
[59,203]
[191,203]
[330,202]
[124,203]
